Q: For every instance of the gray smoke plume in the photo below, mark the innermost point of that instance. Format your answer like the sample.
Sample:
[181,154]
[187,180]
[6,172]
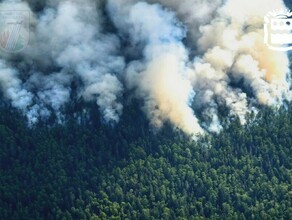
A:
[161,77]
[68,36]
[182,58]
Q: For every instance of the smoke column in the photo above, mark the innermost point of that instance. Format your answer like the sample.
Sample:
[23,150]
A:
[160,78]
[182,59]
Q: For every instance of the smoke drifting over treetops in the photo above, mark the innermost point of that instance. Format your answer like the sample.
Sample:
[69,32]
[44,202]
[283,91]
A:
[183,59]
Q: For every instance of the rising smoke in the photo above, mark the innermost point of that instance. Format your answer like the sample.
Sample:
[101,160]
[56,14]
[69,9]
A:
[183,59]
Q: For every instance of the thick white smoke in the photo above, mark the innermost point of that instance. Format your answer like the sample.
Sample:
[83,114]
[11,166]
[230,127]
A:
[13,88]
[161,77]
[233,52]
[76,44]
[67,38]
[183,59]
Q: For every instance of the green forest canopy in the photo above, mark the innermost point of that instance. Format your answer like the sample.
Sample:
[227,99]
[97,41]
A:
[84,169]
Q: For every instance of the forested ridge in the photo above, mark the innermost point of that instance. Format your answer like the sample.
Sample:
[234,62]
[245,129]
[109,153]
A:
[86,169]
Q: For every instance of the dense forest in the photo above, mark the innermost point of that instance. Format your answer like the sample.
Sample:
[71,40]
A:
[76,107]
[86,169]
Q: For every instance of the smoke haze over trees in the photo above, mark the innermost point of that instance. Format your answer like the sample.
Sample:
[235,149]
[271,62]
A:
[182,59]
[155,109]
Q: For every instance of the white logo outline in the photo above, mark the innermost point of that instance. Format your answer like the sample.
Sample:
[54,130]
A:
[278,30]
[14,33]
